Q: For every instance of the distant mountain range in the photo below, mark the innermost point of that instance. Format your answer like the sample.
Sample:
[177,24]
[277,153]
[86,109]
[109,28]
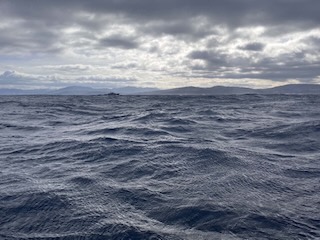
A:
[217,90]
[221,90]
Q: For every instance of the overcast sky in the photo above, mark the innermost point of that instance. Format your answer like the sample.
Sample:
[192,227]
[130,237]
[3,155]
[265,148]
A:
[158,43]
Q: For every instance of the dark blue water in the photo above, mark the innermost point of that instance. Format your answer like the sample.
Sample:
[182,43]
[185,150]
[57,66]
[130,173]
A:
[135,167]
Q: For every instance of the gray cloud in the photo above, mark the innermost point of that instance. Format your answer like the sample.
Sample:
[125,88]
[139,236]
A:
[15,79]
[163,16]
[314,42]
[187,30]
[22,39]
[282,68]
[208,56]
[118,41]
[75,33]
[108,79]
[124,66]
[70,68]
[11,78]
[231,12]
[255,46]
[277,73]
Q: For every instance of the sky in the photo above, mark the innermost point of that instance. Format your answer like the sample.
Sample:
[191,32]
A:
[158,43]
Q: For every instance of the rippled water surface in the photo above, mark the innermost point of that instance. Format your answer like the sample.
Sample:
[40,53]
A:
[145,167]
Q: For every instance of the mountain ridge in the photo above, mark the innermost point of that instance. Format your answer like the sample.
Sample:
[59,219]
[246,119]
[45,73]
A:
[225,90]
[190,90]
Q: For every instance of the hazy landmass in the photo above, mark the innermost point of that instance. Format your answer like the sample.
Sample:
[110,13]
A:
[222,90]
[217,90]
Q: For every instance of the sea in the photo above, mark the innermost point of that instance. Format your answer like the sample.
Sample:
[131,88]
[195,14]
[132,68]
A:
[160,167]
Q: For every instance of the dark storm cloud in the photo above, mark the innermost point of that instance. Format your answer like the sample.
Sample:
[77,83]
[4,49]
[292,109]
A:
[255,46]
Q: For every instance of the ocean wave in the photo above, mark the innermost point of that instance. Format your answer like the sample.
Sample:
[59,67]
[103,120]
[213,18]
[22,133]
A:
[155,167]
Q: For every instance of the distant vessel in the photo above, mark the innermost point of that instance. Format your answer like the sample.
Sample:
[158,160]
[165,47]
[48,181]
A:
[112,94]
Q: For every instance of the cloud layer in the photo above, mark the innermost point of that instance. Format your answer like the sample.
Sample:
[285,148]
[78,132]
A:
[163,43]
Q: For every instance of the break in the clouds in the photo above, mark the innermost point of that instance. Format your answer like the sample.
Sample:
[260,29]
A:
[159,43]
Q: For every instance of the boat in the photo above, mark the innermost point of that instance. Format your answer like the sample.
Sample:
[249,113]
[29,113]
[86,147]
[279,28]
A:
[112,94]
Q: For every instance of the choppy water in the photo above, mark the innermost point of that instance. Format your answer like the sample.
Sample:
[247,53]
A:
[134,167]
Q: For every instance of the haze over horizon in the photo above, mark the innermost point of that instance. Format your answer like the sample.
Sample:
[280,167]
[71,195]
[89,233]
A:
[158,44]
